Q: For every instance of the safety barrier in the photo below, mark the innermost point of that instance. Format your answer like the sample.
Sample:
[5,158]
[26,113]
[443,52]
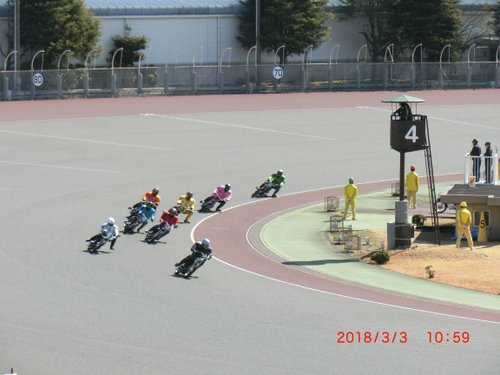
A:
[206,79]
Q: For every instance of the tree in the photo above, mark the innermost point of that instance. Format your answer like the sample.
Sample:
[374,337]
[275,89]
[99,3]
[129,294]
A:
[435,23]
[131,46]
[298,24]
[377,31]
[57,25]
[495,19]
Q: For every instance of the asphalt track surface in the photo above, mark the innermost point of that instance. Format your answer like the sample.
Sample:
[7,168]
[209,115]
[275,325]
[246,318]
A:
[67,165]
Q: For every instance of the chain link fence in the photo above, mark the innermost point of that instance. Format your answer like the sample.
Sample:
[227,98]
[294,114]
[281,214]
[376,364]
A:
[211,79]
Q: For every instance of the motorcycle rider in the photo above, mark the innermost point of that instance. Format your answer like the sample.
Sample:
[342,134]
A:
[185,205]
[221,194]
[109,231]
[198,247]
[168,219]
[151,196]
[278,180]
[146,212]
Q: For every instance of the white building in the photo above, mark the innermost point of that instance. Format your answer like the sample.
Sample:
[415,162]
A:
[186,31]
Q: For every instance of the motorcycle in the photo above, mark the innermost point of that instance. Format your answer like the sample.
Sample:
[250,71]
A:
[442,207]
[190,264]
[158,231]
[136,207]
[209,202]
[95,244]
[263,189]
[134,222]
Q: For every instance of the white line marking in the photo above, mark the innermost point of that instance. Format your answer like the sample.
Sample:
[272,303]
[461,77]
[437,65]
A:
[247,127]
[85,140]
[469,124]
[55,166]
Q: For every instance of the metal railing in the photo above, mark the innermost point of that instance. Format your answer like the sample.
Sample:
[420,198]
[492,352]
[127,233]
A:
[230,78]
[481,169]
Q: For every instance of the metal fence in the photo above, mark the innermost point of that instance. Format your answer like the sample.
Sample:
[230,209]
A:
[207,79]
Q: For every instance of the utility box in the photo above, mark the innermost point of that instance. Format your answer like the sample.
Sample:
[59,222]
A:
[403,235]
[399,235]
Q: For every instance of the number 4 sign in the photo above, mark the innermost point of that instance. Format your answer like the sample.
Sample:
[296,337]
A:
[409,135]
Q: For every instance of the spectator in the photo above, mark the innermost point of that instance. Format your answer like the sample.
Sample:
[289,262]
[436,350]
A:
[475,152]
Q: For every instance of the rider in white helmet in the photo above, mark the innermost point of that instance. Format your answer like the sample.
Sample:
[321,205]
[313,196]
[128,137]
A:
[109,231]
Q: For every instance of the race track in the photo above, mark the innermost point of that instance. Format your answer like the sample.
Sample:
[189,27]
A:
[66,166]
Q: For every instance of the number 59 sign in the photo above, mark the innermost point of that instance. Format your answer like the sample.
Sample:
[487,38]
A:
[408,136]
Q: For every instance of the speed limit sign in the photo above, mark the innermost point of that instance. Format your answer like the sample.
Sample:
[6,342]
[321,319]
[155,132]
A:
[38,79]
[278,72]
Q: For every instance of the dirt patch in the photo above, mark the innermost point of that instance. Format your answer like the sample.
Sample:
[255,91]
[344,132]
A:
[477,270]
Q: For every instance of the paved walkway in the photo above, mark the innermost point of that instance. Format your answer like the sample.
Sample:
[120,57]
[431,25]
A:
[300,237]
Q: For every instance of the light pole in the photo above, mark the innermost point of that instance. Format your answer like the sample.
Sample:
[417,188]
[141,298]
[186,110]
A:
[60,58]
[257,31]
[59,75]
[304,66]
[34,57]
[88,57]
[365,47]
[414,51]
[389,51]
[221,77]
[139,73]
[413,71]
[277,52]
[337,49]
[7,59]
[358,70]
[113,59]
[441,71]
[86,76]
[6,93]
[388,57]
[113,75]
[469,68]
[249,86]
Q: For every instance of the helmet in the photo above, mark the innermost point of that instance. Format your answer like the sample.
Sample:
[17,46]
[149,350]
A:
[111,221]
[227,187]
[205,243]
[463,204]
[280,172]
[155,191]
[189,194]
[412,167]
[172,211]
[351,180]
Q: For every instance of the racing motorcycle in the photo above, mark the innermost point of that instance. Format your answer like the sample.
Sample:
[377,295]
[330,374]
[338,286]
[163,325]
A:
[263,189]
[209,202]
[136,207]
[191,263]
[158,231]
[135,221]
[95,244]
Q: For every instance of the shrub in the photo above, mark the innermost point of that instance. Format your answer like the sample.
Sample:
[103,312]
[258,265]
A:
[380,257]
[418,220]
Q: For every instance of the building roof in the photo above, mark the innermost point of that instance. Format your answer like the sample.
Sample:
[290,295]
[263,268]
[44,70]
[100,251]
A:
[184,7]
[479,194]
